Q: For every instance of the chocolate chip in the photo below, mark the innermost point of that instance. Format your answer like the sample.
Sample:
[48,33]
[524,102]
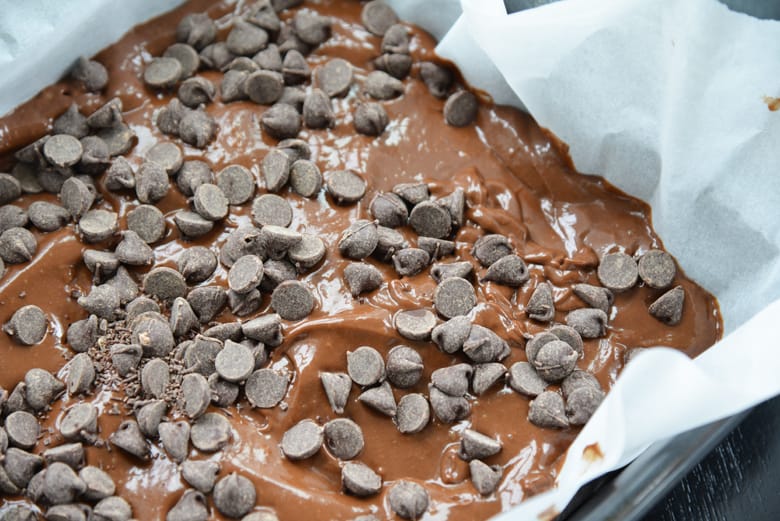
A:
[582,402]
[237,183]
[389,210]
[166,154]
[192,225]
[196,29]
[133,251]
[61,484]
[27,325]
[307,253]
[337,387]
[293,96]
[12,216]
[370,118]
[120,175]
[430,220]
[196,394]
[380,398]
[276,170]
[41,388]
[196,91]
[524,379]
[490,248]
[302,441]
[448,409]
[292,300]
[396,64]
[396,40]
[407,499]
[112,508]
[305,177]
[541,305]
[216,55]
[438,248]
[451,335]
[92,73]
[197,128]
[192,506]
[413,413]
[71,454]
[246,39]
[410,261]
[263,87]
[151,182]
[365,366]
[210,202]
[362,278]
[95,157]
[140,305]
[484,477]
[102,301]
[382,86]
[244,276]
[242,63]
[265,388]
[359,240]
[223,394]
[390,241]
[295,69]
[484,345]
[269,58]
[201,474]
[594,296]
[83,334]
[155,377]
[109,115]
[129,438]
[81,374]
[452,380]
[657,269]
[124,284]
[51,180]
[61,150]
[588,322]
[442,271]
[378,17]
[475,445]
[358,479]
[454,297]
[547,411]
[235,362]
[578,378]
[618,271]
[103,264]
[197,264]
[555,360]
[71,122]
[485,376]
[668,307]
[99,484]
[234,495]
[119,139]
[233,87]
[568,335]
[412,193]
[175,438]
[271,209]
[438,78]
[149,417]
[346,187]
[97,225]
[343,438]
[200,355]
[461,109]
[165,284]
[317,110]
[510,270]
[163,73]
[20,467]
[266,329]
[335,77]
[22,429]
[404,367]
[186,55]
[533,346]
[154,336]
[415,324]
[281,121]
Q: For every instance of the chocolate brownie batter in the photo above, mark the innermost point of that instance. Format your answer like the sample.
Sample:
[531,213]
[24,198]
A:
[518,181]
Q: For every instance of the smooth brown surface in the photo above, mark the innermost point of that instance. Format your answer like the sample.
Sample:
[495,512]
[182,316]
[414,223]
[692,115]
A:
[518,181]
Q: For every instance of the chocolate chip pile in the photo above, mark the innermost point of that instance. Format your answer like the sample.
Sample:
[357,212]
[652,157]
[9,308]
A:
[154,337]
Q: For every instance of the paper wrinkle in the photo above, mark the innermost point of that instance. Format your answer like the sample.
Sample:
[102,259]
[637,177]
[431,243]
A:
[665,99]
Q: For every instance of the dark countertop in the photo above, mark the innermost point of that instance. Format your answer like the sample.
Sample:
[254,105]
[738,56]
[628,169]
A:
[736,481]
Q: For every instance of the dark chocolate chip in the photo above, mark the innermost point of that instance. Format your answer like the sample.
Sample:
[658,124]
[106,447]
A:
[307,253]
[200,355]
[365,366]
[151,183]
[246,39]
[362,278]
[196,91]
[211,432]
[490,248]
[594,296]
[71,122]
[271,209]
[475,445]
[269,59]
[81,374]
[547,411]
[410,261]
[210,202]
[359,240]
[109,115]
[292,300]
[438,248]
[149,417]
[47,215]
[396,40]
[380,399]
[382,86]
[618,271]
[413,413]
[409,500]
[95,157]
[389,210]
[235,362]
[97,225]
[21,466]
[484,477]
[237,183]
[197,128]
[183,319]
[438,78]
[396,64]
[668,308]
[22,429]
[346,187]
[484,345]
[175,439]
[120,175]
[582,402]
[390,241]
[102,301]
[99,484]
[412,193]
[196,29]
[216,55]
[92,73]
[192,506]
[442,271]
[266,329]
[83,334]
[126,357]
[133,251]
[234,496]
[404,367]
[71,454]
[245,274]
[370,118]
[191,224]
[112,508]
[130,439]
[223,393]
[588,322]
[305,177]
[186,55]
[358,479]
[265,388]
[541,305]
[451,335]
[378,17]
[263,87]
[293,96]
[448,409]
[337,387]
[415,324]
[276,170]
[103,264]
[317,110]
[578,378]
[232,87]
[61,484]
[335,77]
[61,150]
[485,376]
[461,109]
[27,325]
[165,284]
[452,380]
[343,438]
[568,335]
[195,394]
[119,139]
[200,474]
[555,361]
[155,377]
[302,441]
[124,284]
[166,154]
[295,69]
[657,269]
[153,335]
[281,121]
[163,73]
[454,297]
[509,270]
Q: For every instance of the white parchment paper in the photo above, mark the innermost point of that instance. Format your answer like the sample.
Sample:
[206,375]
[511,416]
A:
[665,99]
